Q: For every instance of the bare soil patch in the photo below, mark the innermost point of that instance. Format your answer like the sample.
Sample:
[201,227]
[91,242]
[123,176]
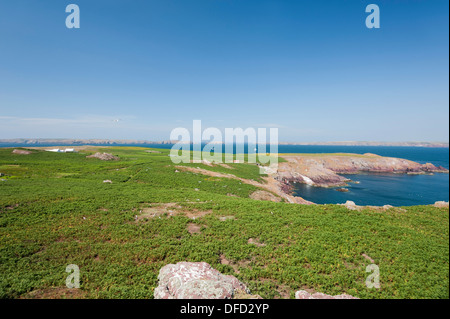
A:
[55,293]
[263,195]
[168,209]
[271,185]
[235,265]
[193,228]
[284,291]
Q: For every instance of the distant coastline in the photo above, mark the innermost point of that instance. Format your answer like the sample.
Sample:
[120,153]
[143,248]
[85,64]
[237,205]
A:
[55,141]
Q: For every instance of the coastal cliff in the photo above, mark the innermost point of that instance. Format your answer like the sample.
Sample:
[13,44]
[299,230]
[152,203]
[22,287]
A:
[323,169]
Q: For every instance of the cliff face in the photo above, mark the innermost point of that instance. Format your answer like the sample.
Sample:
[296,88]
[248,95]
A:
[324,169]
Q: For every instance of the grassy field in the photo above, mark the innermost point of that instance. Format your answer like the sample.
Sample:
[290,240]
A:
[55,210]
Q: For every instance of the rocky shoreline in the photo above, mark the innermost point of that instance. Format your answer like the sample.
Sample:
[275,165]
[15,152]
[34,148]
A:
[324,170]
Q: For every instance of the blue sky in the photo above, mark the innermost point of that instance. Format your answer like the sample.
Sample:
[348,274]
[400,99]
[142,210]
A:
[310,68]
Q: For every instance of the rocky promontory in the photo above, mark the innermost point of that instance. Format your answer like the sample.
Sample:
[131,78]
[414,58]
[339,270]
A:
[324,169]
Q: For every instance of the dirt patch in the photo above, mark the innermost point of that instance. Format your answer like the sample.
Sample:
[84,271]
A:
[169,209]
[235,265]
[55,293]
[224,260]
[104,156]
[193,228]
[253,241]
[11,207]
[271,185]
[202,171]
[240,294]
[263,195]
[284,291]
[226,166]
[21,152]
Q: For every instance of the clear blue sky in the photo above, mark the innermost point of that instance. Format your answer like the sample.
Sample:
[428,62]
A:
[311,68]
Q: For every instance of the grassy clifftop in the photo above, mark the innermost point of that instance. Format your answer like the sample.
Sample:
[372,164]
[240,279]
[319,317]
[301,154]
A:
[121,221]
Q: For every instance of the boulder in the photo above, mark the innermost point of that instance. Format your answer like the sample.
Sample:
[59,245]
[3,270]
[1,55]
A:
[21,152]
[441,204]
[303,294]
[198,280]
[351,205]
[104,156]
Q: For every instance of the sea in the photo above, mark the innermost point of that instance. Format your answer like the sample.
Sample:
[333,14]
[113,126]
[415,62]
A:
[381,189]
[371,188]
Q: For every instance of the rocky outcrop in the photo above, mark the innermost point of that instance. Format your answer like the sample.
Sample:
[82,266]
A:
[441,204]
[104,156]
[352,206]
[303,294]
[263,195]
[189,280]
[21,152]
[324,169]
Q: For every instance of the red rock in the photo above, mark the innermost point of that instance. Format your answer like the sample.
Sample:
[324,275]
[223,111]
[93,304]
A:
[21,152]
[189,280]
[323,170]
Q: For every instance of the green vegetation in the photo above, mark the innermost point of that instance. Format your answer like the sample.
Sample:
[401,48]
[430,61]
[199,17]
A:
[55,210]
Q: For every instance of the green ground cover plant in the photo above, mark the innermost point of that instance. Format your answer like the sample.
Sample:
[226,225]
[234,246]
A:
[56,209]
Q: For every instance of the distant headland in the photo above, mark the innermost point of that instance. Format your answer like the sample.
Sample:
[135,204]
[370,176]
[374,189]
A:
[69,141]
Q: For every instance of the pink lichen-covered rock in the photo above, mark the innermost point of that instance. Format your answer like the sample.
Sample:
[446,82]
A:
[189,280]
[441,204]
[21,152]
[302,294]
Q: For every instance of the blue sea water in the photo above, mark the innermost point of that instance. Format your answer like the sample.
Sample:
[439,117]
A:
[372,189]
[382,189]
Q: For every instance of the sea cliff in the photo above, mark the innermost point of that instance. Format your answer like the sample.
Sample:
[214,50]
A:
[324,169]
